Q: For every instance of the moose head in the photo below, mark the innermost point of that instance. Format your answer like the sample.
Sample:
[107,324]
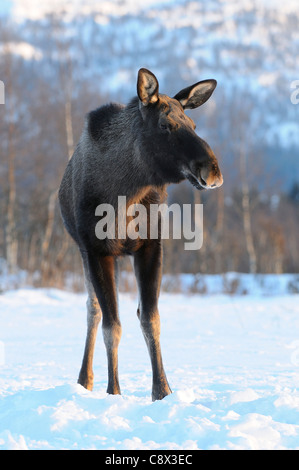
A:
[177,150]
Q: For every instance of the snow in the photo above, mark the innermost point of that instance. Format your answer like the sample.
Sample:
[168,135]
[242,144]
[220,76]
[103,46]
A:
[22,49]
[232,363]
[36,10]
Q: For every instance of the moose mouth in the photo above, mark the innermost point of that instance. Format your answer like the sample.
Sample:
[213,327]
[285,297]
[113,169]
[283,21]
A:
[198,183]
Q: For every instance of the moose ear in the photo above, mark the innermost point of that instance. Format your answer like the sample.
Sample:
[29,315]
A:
[147,87]
[196,95]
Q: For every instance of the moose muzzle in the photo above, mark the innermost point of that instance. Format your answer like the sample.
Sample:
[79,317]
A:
[204,175]
[210,178]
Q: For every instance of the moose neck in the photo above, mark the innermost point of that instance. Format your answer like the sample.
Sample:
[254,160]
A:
[137,175]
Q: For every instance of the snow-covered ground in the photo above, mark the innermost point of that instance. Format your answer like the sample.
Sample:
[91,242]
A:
[232,363]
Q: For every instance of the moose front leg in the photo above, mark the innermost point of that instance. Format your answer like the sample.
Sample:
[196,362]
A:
[148,267]
[103,277]
[93,319]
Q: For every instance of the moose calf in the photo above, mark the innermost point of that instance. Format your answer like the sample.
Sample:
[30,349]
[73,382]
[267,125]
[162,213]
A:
[133,151]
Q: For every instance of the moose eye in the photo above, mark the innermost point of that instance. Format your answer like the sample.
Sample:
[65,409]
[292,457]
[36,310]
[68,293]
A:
[163,127]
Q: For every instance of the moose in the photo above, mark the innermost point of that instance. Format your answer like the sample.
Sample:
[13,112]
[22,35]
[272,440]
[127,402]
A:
[134,150]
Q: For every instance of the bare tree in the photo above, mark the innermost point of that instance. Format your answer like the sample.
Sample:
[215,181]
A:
[247,224]
[65,75]
[11,230]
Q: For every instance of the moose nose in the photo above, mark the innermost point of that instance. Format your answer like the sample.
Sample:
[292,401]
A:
[210,179]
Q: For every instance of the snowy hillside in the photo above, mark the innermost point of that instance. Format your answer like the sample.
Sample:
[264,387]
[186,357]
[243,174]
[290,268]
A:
[250,47]
[232,363]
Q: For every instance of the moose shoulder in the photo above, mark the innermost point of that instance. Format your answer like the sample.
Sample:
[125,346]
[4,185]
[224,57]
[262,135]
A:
[133,151]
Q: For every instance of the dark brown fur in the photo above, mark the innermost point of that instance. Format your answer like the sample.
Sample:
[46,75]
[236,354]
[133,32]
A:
[133,151]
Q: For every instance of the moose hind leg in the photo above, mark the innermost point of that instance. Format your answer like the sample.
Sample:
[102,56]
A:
[148,265]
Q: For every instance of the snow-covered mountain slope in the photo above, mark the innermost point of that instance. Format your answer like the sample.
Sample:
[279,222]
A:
[250,47]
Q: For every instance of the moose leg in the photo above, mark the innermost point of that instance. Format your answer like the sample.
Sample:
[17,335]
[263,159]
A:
[103,275]
[94,316]
[148,267]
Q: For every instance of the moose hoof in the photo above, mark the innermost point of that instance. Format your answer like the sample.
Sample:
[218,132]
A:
[86,382]
[113,389]
[160,394]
